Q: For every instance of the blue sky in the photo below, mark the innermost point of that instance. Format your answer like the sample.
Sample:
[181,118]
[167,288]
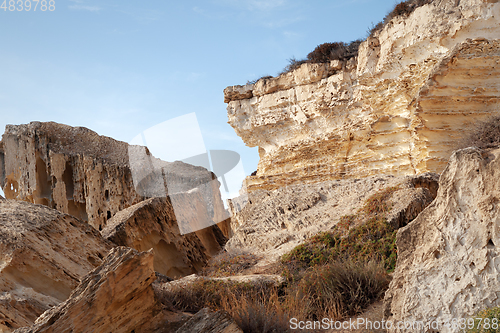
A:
[121,67]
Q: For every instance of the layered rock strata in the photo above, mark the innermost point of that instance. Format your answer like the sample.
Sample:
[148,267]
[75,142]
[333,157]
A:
[117,296]
[92,177]
[153,223]
[272,222]
[448,257]
[44,254]
[397,108]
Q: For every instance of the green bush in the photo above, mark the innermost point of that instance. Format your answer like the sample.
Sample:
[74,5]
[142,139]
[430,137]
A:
[373,238]
[489,322]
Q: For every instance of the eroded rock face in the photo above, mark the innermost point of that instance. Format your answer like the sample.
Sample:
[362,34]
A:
[397,108]
[44,254]
[79,172]
[154,224]
[448,257]
[117,296]
[272,222]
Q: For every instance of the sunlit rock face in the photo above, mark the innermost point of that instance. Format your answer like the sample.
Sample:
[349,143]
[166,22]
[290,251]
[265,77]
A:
[448,257]
[398,108]
[43,256]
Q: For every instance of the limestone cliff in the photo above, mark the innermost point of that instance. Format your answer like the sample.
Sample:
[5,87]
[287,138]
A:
[79,172]
[448,257]
[43,256]
[397,108]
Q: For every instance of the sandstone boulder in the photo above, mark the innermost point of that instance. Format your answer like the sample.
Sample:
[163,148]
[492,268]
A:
[272,222]
[153,223]
[208,321]
[398,108]
[43,254]
[448,257]
[117,296]
[92,177]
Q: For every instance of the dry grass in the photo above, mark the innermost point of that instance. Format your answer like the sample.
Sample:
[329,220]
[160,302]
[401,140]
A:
[335,290]
[339,290]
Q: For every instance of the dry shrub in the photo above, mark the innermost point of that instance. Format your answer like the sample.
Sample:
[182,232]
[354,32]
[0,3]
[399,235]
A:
[334,51]
[483,134]
[255,307]
[403,8]
[342,289]
[335,290]
[293,64]
[264,77]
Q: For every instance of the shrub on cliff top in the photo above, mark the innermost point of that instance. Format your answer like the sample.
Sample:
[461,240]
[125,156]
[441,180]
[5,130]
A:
[334,51]
[403,8]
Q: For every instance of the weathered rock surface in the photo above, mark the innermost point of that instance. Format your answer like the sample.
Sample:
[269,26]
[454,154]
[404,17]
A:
[153,223]
[79,172]
[254,279]
[272,222]
[43,256]
[397,108]
[448,257]
[117,296]
[208,321]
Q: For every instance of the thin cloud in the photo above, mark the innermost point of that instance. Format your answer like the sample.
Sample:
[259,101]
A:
[254,5]
[84,7]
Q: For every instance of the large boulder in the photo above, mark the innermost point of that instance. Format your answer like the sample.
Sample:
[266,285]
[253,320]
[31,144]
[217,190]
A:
[92,177]
[448,257]
[117,296]
[43,255]
[154,223]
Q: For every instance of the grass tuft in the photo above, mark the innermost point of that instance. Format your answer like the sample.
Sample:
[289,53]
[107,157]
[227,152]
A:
[485,321]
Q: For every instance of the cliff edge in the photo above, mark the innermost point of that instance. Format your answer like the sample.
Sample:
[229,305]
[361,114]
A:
[397,108]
